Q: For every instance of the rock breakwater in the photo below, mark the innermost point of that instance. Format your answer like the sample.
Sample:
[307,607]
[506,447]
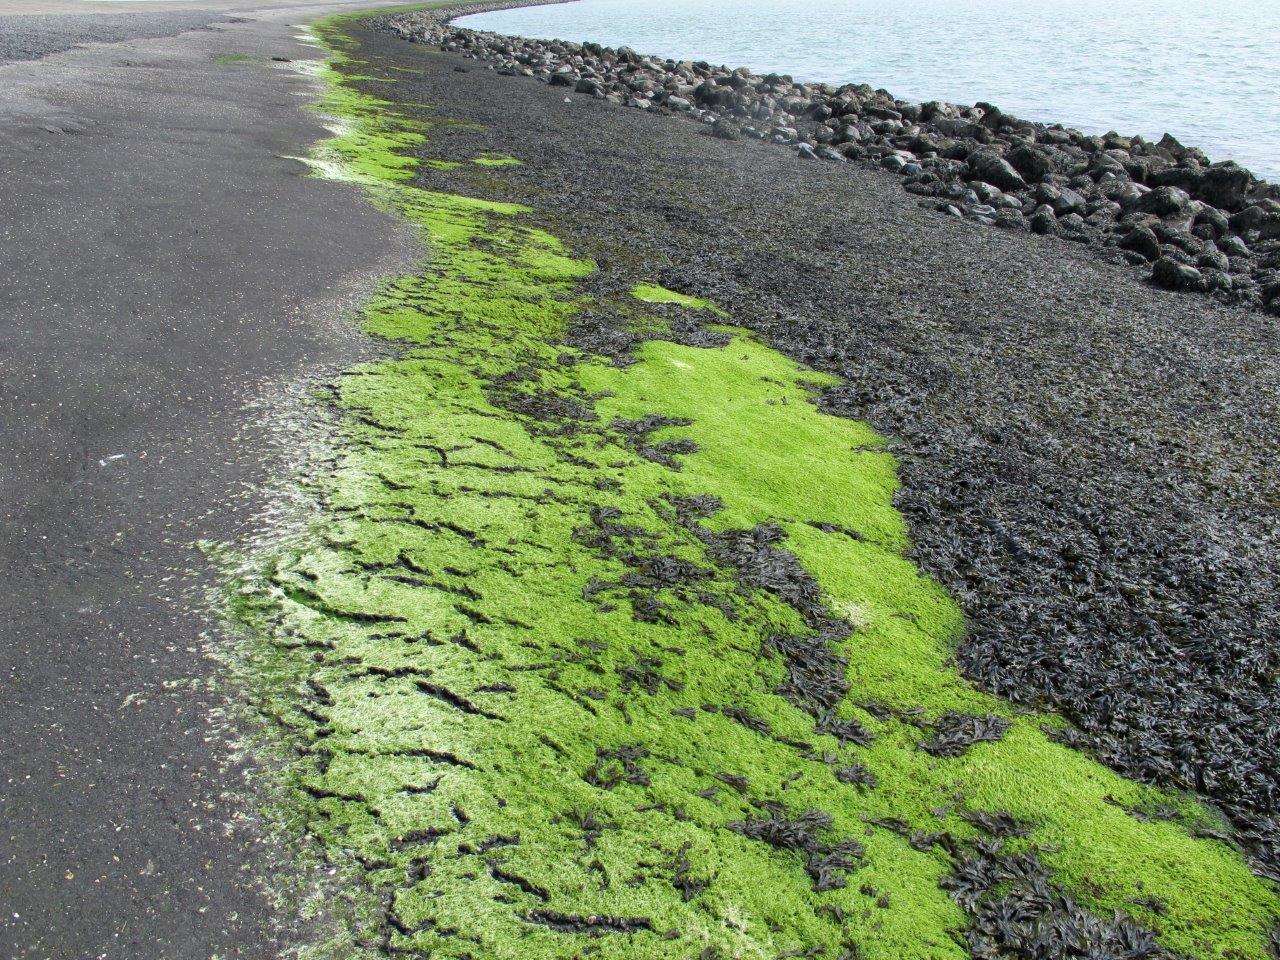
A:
[1195,225]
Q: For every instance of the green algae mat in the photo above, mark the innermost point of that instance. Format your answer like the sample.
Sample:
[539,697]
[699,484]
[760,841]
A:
[588,653]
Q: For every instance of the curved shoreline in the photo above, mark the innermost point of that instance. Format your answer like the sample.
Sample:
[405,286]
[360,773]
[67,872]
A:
[1209,228]
[840,42]
[607,634]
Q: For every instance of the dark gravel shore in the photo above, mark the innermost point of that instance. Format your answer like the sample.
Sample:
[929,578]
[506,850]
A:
[1088,462]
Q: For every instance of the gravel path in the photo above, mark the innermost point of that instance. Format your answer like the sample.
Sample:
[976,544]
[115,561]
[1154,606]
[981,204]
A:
[1088,462]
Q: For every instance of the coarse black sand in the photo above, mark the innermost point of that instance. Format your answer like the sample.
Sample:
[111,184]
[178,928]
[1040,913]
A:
[30,36]
[161,275]
[1087,462]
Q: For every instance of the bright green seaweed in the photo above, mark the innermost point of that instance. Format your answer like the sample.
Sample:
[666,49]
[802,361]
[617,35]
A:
[653,293]
[531,740]
[496,161]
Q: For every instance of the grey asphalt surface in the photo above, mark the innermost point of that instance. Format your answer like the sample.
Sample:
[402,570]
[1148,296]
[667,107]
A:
[162,264]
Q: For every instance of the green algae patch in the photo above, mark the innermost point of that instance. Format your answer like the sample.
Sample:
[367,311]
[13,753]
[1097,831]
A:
[652,293]
[817,471]
[582,658]
[496,160]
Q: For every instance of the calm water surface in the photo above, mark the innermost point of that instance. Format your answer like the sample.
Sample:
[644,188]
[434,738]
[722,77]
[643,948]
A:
[1206,71]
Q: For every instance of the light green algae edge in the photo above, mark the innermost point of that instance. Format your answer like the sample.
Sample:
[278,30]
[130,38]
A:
[653,293]
[484,729]
[495,161]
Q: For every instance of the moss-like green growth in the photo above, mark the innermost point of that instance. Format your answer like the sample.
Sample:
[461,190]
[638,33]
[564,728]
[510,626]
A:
[653,293]
[496,160]
[629,661]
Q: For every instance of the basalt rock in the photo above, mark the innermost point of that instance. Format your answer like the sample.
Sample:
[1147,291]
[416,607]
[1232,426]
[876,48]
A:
[1165,201]
[988,165]
[1142,241]
[1225,185]
[1033,162]
[1172,275]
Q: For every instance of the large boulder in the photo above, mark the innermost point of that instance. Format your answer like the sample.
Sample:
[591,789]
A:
[1032,161]
[957,127]
[1250,218]
[1143,242]
[725,129]
[1064,200]
[1184,178]
[986,164]
[1165,201]
[1011,218]
[1176,234]
[1214,218]
[1213,259]
[1070,201]
[1104,164]
[1224,185]
[1235,247]
[1127,193]
[1043,221]
[1172,275]
[1263,217]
